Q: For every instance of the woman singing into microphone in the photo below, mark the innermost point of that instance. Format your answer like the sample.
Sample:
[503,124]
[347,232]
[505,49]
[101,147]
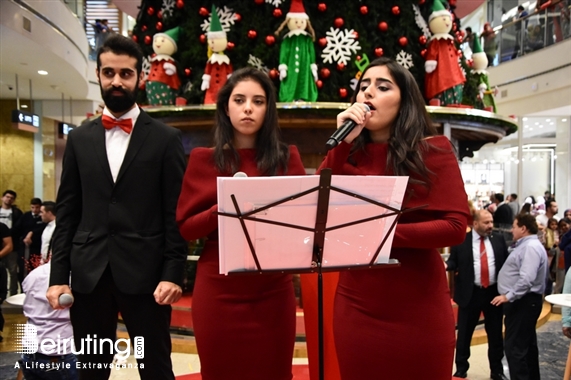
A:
[244,326]
[397,323]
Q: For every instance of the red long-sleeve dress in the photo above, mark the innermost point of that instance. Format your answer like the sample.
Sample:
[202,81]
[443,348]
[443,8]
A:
[245,325]
[397,323]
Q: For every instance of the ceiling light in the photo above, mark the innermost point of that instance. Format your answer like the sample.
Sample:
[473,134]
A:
[547,119]
[24,106]
[42,72]
[563,120]
[524,119]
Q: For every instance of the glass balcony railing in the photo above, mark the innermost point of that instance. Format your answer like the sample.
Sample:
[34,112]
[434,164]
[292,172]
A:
[533,32]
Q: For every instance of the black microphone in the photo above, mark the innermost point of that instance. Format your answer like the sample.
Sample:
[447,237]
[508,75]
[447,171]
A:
[342,132]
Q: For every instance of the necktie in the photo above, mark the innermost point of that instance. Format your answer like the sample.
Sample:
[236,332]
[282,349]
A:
[485,274]
[110,122]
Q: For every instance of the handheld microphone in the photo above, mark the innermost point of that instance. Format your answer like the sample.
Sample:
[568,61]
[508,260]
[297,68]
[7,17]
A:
[342,132]
[66,299]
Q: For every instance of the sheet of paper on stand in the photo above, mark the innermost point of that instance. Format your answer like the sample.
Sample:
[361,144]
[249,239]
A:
[283,247]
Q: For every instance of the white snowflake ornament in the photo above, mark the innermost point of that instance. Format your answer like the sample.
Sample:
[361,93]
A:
[257,63]
[404,59]
[146,67]
[168,8]
[341,45]
[275,3]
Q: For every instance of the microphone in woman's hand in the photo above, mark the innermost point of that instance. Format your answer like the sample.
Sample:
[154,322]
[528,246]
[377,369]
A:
[342,132]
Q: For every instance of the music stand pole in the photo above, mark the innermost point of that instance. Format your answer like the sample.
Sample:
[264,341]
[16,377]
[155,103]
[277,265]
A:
[318,243]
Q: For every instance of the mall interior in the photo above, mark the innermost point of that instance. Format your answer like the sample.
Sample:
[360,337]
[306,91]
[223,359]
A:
[47,69]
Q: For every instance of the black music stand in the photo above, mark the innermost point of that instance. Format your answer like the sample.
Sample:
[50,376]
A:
[319,232]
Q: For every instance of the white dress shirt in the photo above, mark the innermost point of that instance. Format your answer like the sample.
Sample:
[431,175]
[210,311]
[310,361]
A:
[117,140]
[46,237]
[491,259]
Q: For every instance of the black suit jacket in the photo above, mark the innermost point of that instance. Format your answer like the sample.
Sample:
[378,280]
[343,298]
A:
[130,224]
[461,262]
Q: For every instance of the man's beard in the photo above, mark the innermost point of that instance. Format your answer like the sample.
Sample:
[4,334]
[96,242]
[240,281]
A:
[119,103]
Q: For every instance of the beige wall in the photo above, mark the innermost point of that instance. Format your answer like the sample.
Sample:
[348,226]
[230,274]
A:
[49,141]
[16,157]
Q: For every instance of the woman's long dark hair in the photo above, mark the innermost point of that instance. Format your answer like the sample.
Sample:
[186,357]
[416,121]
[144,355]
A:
[271,153]
[408,132]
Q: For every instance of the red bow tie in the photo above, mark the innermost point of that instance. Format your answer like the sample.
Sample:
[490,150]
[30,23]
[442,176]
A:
[110,122]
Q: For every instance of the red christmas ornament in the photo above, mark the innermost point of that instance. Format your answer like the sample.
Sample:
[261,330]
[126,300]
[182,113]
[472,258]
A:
[150,11]
[343,92]
[420,2]
[319,83]
[324,73]
[187,72]
[270,40]
[160,15]
[323,42]
[202,39]
[338,22]
[259,2]
[454,27]
[274,74]
[422,39]
[470,62]
[358,58]
[423,53]
[135,38]
[356,34]
[395,10]
[237,17]
[144,28]
[340,66]
[321,7]
[403,41]
[364,10]
[383,26]
[379,52]
[180,4]
[203,12]
[277,13]
[230,45]
[159,26]
[459,39]
[252,34]
[460,53]
[148,40]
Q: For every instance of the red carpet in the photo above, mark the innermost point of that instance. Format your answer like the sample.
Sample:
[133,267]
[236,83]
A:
[300,372]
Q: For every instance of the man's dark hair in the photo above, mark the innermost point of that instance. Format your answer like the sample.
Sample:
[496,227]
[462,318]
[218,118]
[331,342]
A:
[520,8]
[548,203]
[528,221]
[50,206]
[513,196]
[36,201]
[121,45]
[499,197]
[11,192]
[469,30]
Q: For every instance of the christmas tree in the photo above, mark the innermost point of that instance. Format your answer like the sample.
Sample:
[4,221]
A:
[347,36]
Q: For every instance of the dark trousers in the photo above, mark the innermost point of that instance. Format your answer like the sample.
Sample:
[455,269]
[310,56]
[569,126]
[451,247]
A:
[521,339]
[96,313]
[468,317]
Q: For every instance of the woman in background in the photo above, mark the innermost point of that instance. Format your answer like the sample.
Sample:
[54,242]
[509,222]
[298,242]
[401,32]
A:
[397,323]
[244,326]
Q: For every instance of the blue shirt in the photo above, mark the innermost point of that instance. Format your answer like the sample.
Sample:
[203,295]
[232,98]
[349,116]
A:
[525,269]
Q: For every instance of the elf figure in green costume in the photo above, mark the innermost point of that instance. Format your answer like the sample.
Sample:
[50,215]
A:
[485,99]
[298,70]
[163,81]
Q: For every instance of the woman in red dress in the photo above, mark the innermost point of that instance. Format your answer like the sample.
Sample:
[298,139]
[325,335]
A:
[245,325]
[397,323]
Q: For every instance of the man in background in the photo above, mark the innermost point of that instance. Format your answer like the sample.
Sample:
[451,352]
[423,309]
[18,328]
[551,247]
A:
[513,203]
[48,213]
[10,215]
[521,283]
[30,228]
[476,264]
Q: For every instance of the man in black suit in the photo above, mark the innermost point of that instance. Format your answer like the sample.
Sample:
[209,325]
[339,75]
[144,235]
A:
[476,264]
[116,230]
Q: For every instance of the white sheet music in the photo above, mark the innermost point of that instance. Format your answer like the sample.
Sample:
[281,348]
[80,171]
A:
[280,247]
